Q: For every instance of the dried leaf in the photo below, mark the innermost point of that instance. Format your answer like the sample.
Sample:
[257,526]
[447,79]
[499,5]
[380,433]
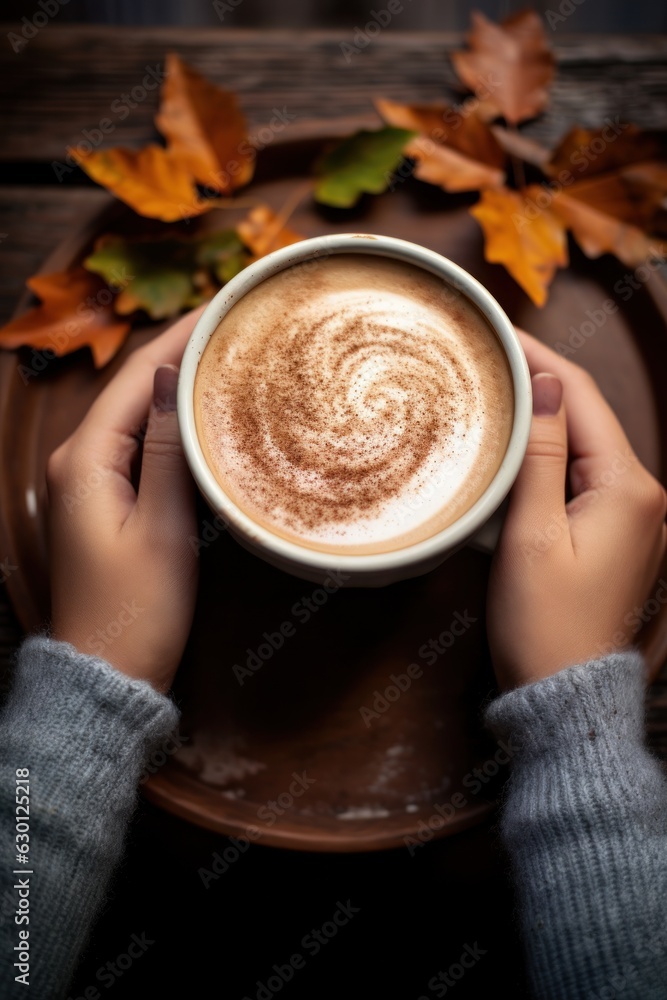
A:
[597,232]
[587,152]
[165,276]
[530,248]
[509,65]
[76,311]
[618,202]
[264,231]
[151,181]
[457,152]
[223,253]
[204,128]
[363,163]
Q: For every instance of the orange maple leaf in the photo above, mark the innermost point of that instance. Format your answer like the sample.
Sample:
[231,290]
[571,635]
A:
[76,311]
[455,151]
[509,65]
[151,180]
[530,247]
[264,231]
[204,128]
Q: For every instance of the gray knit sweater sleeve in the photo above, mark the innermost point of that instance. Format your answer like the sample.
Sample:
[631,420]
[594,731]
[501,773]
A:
[585,825]
[83,731]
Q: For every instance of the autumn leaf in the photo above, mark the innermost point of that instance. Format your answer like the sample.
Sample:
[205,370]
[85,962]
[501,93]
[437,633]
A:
[508,65]
[204,128]
[587,152]
[609,186]
[76,311]
[362,163]
[165,276]
[599,232]
[457,152]
[263,231]
[151,181]
[531,246]
[223,253]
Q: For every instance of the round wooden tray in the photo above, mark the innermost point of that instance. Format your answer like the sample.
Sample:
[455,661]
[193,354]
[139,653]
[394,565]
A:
[247,748]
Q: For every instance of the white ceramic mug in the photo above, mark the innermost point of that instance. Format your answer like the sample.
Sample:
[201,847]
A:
[385,567]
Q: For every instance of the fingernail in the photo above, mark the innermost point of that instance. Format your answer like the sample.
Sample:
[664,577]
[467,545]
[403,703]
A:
[547,395]
[164,388]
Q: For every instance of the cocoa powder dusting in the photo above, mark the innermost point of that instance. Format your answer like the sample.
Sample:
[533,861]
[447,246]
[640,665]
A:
[330,407]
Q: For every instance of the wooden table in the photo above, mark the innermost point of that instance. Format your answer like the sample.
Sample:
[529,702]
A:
[416,914]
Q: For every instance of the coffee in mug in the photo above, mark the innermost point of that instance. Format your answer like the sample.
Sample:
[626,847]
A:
[354,402]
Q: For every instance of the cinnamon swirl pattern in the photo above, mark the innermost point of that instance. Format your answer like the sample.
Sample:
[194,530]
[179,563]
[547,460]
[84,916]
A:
[354,405]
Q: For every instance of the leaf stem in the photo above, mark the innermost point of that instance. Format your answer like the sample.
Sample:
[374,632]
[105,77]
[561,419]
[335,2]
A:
[517,165]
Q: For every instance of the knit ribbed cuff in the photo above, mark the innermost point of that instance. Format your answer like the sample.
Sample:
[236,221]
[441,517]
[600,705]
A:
[96,716]
[575,706]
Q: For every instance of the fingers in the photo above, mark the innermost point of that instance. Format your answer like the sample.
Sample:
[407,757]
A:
[165,486]
[117,417]
[594,431]
[538,496]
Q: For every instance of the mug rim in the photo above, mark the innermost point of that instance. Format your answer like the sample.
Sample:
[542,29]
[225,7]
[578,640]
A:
[320,247]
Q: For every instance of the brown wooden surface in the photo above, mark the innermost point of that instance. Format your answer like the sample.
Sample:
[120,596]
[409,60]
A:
[417,913]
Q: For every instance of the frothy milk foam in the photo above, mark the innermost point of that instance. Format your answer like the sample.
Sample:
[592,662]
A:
[355,404]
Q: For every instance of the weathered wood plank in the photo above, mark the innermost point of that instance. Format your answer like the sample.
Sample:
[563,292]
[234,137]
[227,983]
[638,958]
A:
[69,78]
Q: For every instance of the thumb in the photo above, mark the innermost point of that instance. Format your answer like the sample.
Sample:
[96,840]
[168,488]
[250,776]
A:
[165,486]
[538,495]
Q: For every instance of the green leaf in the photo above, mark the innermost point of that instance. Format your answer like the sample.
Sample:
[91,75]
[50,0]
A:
[363,163]
[166,276]
[155,275]
[223,253]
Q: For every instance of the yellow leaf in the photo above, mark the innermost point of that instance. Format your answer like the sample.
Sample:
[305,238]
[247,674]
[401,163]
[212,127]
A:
[264,231]
[151,181]
[531,246]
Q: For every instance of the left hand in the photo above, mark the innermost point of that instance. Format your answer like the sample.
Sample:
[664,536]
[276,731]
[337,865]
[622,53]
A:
[123,566]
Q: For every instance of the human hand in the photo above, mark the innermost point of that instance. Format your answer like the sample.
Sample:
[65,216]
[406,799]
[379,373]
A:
[566,578]
[123,571]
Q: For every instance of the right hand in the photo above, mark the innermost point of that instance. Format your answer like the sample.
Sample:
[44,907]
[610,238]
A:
[568,580]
